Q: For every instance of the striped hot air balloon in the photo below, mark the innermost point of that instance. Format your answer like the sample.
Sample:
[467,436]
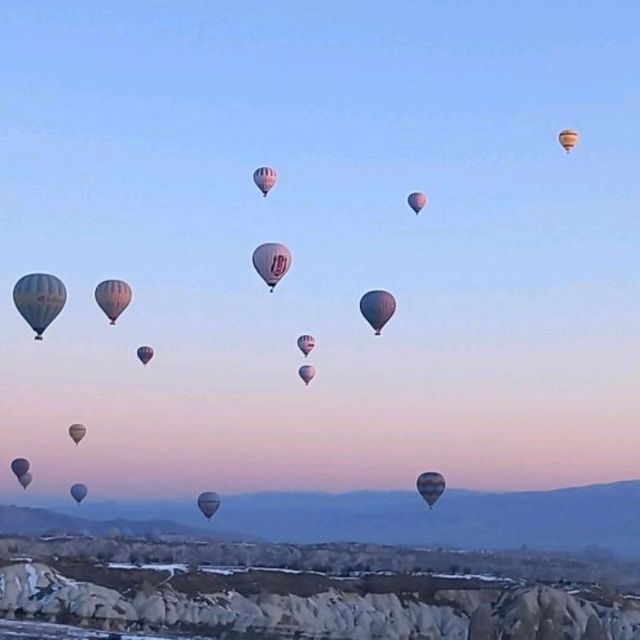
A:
[377,307]
[431,486]
[145,354]
[77,432]
[265,179]
[568,139]
[39,297]
[113,297]
[208,503]
[306,344]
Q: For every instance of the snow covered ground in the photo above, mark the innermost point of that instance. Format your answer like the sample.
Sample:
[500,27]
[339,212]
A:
[16,630]
[171,568]
[231,570]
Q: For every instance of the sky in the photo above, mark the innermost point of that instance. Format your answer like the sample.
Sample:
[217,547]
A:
[129,132]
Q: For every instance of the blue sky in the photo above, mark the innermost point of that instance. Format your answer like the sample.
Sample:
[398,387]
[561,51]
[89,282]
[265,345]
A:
[130,131]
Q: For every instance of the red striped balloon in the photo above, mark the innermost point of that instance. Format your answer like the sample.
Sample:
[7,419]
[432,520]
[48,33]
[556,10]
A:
[431,486]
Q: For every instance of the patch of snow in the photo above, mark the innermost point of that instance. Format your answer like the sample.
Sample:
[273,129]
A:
[222,571]
[467,576]
[171,568]
[230,570]
[32,576]
[20,559]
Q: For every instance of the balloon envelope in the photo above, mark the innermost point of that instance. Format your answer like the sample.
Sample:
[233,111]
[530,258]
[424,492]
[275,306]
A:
[417,201]
[306,344]
[145,354]
[77,432]
[208,503]
[307,373]
[113,297]
[568,139]
[25,479]
[39,298]
[265,179]
[377,307]
[20,466]
[272,261]
[431,486]
[79,492]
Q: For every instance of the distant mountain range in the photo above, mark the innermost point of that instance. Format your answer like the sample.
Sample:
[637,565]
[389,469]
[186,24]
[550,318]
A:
[30,521]
[605,516]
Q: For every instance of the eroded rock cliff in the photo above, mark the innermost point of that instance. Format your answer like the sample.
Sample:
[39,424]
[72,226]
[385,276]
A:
[503,611]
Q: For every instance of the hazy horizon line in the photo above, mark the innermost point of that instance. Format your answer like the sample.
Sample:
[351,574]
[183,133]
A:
[11,500]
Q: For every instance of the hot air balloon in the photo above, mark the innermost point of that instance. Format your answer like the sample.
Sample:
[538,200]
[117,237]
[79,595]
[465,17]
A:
[208,503]
[20,466]
[39,298]
[377,307]
[568,139]
[272,261]
[79,492]
[113,297]
[417,201]
[265,178]
[431,486]
[306,344]
[145,354]
[25,480]
[77,432]
[307,373]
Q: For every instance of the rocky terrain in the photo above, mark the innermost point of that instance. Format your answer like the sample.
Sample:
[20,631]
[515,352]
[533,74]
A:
[343,560]
[224,601]
[180,588]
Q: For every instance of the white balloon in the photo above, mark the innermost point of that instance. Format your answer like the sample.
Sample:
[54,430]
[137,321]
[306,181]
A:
[272,261]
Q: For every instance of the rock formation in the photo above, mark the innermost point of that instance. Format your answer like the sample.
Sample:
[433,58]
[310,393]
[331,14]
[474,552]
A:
[505,612]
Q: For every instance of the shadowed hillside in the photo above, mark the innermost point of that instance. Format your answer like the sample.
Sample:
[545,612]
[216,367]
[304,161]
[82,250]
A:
[30,521]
